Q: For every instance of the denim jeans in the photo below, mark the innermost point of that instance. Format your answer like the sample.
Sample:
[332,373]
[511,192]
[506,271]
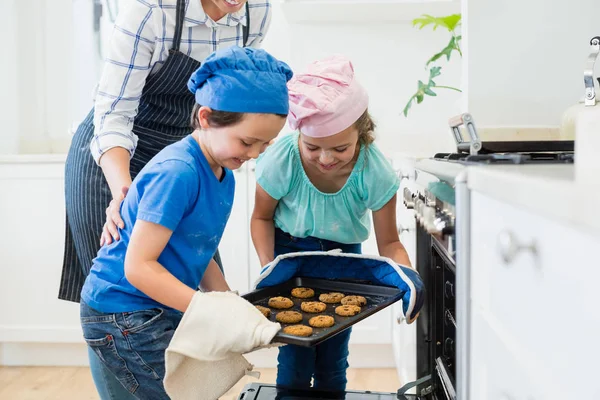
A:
[131,345]
[327,362]
[107,384]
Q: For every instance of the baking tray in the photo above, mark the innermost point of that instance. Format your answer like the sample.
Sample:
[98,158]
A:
[378,298]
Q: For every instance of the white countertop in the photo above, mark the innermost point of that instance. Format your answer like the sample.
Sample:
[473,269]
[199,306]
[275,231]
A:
[549,190]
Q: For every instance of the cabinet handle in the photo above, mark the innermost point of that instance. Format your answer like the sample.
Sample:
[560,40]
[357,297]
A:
[402,229]
[509,246]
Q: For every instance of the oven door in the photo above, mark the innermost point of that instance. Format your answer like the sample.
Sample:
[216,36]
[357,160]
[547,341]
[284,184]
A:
[436,325]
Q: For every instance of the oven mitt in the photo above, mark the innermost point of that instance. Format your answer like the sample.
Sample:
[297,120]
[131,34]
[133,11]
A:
[204,359]
[347,266]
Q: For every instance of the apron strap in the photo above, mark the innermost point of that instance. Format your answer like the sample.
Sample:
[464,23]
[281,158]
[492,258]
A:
[181,16]
[178,24]
[246,28]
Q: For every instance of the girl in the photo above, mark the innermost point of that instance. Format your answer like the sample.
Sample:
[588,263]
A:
[315,188]
[175,213]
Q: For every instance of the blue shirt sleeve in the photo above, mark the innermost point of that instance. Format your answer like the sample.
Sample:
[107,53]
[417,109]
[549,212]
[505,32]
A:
[275,168]
[167,192]
[379,181]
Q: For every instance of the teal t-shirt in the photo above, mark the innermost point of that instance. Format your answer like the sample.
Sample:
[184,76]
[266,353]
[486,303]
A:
[304,211]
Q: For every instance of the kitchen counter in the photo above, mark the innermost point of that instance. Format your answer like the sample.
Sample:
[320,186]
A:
[548,190]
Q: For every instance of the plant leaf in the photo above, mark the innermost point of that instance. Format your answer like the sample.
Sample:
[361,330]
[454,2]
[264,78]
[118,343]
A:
[447,51]
[449,22]
[434,71]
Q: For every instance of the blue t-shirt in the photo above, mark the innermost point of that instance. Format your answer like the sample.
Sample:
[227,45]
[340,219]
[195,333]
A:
[303,210]
[176,189]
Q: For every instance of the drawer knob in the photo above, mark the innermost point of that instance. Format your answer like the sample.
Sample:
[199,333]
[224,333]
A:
[509,246]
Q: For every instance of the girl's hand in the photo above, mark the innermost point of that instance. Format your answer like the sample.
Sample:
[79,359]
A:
[113,219]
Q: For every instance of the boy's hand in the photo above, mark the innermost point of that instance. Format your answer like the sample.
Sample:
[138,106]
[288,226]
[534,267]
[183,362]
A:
[113,219]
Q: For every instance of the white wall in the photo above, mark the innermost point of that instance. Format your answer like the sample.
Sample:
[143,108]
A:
[524,60]
[389,58]
[35,75]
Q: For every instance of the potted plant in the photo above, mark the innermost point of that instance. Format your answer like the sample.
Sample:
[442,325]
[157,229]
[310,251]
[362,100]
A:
[451,23]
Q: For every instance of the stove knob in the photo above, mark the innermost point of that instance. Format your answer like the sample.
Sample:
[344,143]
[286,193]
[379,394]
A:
[409,198]
[428,213]
[419,210]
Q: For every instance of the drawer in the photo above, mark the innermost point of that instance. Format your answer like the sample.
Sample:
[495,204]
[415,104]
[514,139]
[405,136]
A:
[540,297]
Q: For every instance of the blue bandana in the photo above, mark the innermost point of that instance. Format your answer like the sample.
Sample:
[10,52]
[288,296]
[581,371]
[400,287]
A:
[244,80]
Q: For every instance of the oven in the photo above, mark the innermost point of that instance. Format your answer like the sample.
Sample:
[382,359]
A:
[436,325]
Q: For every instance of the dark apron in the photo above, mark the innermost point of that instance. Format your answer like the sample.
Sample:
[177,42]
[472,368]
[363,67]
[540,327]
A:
[163,118]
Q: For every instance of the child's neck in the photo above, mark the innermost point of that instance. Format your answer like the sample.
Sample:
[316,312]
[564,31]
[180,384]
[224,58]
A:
[331,182]
[216,168]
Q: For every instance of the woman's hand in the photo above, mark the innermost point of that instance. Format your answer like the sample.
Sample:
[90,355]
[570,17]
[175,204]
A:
[113,219]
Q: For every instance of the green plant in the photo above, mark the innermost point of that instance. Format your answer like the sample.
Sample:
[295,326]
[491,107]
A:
[450,23]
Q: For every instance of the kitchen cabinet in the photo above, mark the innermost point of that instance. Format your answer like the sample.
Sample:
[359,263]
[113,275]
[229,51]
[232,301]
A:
[534,317]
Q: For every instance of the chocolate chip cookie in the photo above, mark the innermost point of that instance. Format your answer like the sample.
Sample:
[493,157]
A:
[264,310]
[298,330]
[354,301]
[289,317]
[331,298]
[313,306]
[347,310]
[303,293]
[280,302]
[321,321]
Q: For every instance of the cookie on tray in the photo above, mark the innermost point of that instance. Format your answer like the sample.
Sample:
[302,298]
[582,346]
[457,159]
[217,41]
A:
[354,301]
[280,302]
[264,310]
[347,310]
[313,306]
[331,298]
[321,321]
[302,292]
[289,317]
[298,330]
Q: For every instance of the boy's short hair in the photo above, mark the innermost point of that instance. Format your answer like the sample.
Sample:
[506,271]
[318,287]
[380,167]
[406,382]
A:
[218,119]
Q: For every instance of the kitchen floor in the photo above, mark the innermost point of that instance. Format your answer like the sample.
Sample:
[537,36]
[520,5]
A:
[75,383]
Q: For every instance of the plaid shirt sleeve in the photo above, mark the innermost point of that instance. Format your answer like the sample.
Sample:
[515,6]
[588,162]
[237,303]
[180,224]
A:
[126,67]
[255,40]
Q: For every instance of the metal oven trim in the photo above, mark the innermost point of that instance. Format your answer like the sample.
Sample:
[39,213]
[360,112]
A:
[463,284]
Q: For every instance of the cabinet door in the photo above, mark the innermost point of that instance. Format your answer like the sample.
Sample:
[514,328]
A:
[541,301]
[32,211]
[234,243]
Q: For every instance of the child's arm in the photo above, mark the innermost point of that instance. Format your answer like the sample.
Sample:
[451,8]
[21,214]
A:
[144,272]
[386,233]
[213,279]
[262,227]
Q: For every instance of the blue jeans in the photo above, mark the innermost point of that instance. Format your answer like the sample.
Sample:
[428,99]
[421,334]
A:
[107,384]
[327,362]
[131,346]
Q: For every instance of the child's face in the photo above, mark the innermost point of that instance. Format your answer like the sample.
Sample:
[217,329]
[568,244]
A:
[332,153]
[233,145]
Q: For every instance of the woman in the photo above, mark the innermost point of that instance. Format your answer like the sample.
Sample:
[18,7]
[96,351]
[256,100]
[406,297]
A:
[142,105]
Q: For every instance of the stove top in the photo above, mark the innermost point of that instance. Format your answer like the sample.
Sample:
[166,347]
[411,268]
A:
[508,158]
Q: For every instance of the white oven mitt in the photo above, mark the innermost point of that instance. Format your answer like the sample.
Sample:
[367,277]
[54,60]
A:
[204,359]
[347,266]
